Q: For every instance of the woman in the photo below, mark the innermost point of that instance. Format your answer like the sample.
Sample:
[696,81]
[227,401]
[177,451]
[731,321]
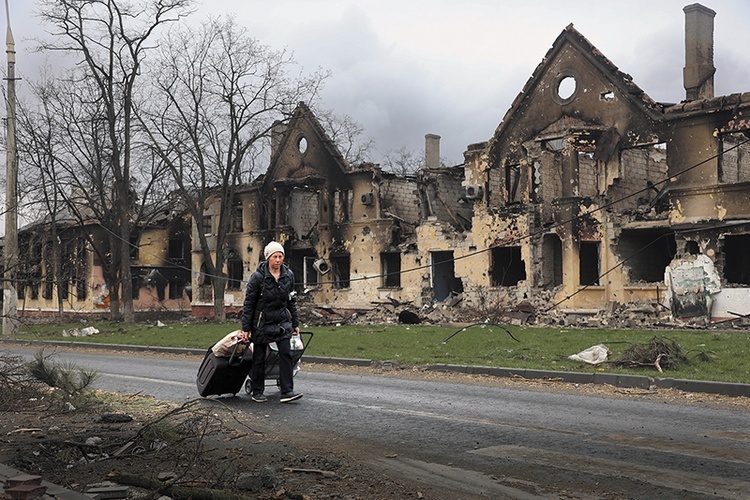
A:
[270,315]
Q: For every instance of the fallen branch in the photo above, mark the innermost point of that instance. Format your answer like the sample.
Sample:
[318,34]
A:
[176,492]
[316,471]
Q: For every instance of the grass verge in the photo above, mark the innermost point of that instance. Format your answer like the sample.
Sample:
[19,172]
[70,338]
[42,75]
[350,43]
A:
[722,356]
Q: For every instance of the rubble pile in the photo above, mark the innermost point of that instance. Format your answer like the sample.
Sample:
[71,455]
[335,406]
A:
[534,311]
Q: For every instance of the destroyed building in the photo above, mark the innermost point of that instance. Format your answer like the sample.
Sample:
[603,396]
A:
[349,231]
[588,189]
[63,269]
[580,200]
[588,196]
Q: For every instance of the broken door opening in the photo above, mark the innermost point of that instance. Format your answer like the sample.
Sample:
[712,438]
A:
[588,254]
[390,263]
[443,275]
[552,272]
[340,270]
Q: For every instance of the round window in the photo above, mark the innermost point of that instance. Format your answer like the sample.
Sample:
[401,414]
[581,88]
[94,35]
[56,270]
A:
[567,87]
[302,145]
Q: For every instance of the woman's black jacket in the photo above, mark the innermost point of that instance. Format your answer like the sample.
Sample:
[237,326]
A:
[270,309]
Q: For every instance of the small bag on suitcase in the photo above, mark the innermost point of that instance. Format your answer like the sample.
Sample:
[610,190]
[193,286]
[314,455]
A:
[219,375]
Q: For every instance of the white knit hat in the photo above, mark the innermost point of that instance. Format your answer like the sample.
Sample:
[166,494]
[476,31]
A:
[272,248]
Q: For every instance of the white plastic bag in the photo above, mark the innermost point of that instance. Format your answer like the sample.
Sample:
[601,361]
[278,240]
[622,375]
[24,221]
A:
[296,343]
[593,355]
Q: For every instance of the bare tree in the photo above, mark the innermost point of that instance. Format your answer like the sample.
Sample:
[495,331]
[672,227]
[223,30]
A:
[63,142]
[402,161]
[217,95]
[109,40]
[37,135]
[348,136]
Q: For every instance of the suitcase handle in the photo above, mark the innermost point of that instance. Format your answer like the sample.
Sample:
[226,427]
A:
[234,351]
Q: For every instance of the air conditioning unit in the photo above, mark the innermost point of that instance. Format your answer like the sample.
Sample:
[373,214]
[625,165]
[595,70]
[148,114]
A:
[367,199]
[473,192]
[322,266]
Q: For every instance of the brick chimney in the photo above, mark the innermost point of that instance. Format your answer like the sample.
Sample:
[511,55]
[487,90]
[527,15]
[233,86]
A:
[432,151]
[698,74]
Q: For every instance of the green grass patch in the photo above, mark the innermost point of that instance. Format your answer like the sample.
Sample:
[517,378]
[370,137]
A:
[710,355]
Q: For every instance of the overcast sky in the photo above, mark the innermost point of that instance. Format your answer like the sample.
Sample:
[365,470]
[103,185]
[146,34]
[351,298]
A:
[406,68]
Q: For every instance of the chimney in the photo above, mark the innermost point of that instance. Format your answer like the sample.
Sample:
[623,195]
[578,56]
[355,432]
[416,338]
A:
[432,151]
[698,74]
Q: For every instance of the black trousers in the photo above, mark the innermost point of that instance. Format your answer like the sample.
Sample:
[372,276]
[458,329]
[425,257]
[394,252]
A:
[286,367]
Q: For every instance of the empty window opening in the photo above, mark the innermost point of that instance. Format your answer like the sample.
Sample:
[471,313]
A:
[176,288]
[552,272]
[176,250]
[234,273]
[342,205]
[236,216]
[736,263]
[444,282]
[507,268]
[607,96]
[135,251]
[646,253]
[512,180]
[303,211]
[340,271]
[302,263]
[390,263]
[588,255]
[734,161]
[208,225]
[310,274]
[567,87]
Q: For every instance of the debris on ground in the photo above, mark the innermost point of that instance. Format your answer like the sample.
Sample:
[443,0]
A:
[660,353]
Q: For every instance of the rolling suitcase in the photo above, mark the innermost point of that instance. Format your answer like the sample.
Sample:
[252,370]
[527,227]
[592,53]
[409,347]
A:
[219,375]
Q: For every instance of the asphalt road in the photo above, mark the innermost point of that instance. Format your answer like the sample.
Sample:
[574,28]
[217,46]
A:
[482,441]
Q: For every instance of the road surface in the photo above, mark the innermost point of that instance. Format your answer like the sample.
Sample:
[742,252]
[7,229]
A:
[481,439]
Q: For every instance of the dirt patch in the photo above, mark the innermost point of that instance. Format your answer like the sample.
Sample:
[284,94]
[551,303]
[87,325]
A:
[206,449]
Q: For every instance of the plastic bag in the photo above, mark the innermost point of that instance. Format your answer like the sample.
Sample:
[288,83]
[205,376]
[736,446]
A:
[225,346]
[296,343]
[593,355]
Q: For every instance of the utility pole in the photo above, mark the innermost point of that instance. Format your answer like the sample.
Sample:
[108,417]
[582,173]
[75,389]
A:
[10,296]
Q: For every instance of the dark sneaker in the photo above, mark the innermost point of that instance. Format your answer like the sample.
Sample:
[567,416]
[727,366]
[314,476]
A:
[290,396]
[259,398]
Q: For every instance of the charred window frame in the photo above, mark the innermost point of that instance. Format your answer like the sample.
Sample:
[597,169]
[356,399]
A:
[552,264]
[236,221]
[80,269]
[176,288]
[176,250]
[736,268]
[137,284]
[507,267]
[309,273]
[235,271]
[512,183]
[343,203]
[645,253]
[208,225]
[135,250]
[588,256]
[49,271]
[341,271]
[734,160]
[35,269]
[390,265]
